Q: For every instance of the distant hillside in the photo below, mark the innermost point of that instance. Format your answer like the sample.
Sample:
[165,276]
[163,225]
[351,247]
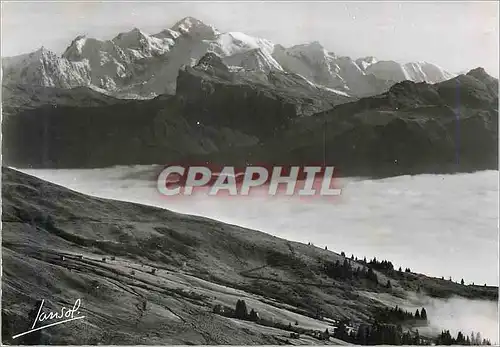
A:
[61,245]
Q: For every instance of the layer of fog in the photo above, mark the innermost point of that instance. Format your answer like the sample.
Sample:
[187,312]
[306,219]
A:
[454,314]
[441,225]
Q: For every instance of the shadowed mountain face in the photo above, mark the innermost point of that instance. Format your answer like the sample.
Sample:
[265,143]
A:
[413,128]
[227,116]
[253,102]
[139,132]
[16,97]
[150,276]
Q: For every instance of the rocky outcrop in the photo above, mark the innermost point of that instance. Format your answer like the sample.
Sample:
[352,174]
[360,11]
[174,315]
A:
[242,107]
[256,103]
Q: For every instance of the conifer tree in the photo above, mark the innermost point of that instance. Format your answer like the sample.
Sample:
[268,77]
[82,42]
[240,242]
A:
[423,314]
[241,311]
[253,315]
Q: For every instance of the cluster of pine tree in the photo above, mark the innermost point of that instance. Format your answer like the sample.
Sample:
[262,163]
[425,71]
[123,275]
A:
[446,339]
[345,271]
[379,334]
[398,315]
[384,265]
[386,329]
[240,311]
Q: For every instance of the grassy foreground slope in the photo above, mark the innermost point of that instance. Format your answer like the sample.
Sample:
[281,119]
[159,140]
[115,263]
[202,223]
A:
[60,246]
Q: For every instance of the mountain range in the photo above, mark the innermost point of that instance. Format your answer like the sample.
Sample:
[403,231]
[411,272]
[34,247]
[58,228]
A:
[237,100]
[138,65]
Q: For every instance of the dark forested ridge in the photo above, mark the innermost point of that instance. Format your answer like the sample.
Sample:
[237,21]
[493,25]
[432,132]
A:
[413,128]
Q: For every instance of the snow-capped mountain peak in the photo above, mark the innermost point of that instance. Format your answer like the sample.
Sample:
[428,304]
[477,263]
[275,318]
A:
[314,51]
[137,40]
[254,59]
[363,63]
[130,38]
[237,42]
[194,27]
[78,44]
[417,72]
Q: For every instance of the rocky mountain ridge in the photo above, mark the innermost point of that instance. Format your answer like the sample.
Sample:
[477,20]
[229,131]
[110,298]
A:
[413,128]
[135,64]
[224,117]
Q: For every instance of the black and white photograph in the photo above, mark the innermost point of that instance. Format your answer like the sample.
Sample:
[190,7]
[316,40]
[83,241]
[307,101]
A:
[250,173]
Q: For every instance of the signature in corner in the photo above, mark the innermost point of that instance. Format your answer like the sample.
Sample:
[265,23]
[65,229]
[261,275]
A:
[66,314]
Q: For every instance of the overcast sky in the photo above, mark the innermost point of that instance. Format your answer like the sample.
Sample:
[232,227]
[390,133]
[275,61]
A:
[456,36]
